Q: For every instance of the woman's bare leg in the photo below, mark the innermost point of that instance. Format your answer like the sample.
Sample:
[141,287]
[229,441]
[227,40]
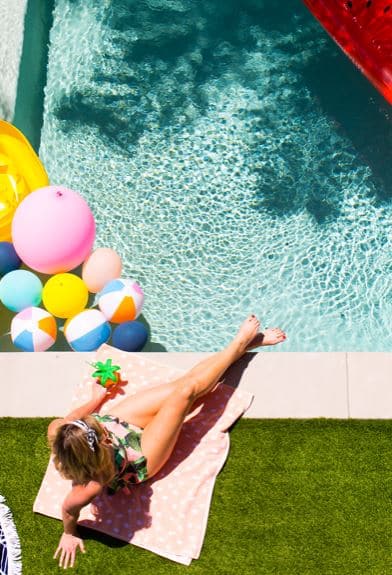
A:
[160,435]
[141,407]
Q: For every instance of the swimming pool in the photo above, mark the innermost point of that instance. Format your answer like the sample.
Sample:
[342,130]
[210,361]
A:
[237,162]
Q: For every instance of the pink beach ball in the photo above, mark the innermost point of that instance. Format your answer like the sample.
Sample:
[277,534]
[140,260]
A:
[103,265]
[53,230]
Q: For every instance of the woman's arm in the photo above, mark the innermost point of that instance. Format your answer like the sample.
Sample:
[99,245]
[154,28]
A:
[79,497]
[99,395]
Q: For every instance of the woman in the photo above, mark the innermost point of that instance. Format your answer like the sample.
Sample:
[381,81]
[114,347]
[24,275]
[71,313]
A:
[132,443]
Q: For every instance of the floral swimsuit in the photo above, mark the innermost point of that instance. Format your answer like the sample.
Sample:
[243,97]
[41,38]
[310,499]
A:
[130,463]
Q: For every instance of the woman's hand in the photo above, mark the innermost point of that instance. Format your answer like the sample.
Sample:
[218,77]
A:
[101,394]
[67,549]
[98,392]
[77,498]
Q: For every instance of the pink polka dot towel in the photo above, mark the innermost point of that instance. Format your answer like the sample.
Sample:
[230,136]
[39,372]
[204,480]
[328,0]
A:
[167,514]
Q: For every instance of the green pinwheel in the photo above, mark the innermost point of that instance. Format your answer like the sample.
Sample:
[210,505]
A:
[106,372]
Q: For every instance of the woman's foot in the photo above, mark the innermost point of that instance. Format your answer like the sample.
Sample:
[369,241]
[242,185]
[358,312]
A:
[247,333]
[270,336]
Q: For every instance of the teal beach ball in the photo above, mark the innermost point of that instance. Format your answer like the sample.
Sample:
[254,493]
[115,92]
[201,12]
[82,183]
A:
[20,289]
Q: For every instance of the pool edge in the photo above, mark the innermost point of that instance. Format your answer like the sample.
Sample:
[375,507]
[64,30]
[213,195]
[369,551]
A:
[339,385]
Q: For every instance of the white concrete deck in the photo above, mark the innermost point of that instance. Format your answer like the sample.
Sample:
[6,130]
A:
[285,385]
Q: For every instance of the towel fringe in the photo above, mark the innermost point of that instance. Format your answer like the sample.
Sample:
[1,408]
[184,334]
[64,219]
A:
[11,538]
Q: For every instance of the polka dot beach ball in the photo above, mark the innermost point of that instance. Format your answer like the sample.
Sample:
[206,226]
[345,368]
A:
[121,300]
[33,329]
[87,330]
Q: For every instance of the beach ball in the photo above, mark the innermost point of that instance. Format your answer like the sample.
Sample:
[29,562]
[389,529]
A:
[65,295]
[33,329]
[20,289]
[53,230]
[87,330]
[9,259]
[103,265]
[121,300]
[130,336]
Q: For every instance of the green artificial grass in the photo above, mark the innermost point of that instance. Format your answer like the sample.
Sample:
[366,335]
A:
[295,498]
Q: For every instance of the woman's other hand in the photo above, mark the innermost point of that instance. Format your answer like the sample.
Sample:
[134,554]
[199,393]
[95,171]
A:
[67,549]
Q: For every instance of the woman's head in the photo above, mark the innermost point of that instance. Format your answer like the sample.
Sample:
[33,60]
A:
[80,452]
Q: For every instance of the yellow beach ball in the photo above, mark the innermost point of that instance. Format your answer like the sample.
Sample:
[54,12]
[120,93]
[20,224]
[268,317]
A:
[65,295]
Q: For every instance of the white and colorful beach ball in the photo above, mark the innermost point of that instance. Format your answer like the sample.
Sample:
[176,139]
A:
[87,330]
[121,300]
[33,329]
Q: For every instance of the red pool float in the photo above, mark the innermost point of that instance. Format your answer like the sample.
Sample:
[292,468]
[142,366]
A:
[363,29]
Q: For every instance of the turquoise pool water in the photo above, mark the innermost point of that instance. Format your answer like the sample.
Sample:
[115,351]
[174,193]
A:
[236,160]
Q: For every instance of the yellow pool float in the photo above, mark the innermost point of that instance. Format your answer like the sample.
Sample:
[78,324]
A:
[21,172]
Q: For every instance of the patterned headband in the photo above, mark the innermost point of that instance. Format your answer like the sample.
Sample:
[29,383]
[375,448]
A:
[92,438]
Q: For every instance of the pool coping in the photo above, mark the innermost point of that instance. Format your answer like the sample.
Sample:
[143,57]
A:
[285,385]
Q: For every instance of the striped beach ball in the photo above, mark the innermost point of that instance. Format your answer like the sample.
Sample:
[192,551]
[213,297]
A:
[87,330]
[121,300]
[33,329]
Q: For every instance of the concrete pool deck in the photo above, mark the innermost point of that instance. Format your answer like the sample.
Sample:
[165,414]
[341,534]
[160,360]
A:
[285,385]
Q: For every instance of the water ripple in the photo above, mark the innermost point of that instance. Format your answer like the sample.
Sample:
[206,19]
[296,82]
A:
[211,164]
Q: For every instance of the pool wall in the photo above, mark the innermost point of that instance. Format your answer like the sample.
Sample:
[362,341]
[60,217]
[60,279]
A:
[29,105]
[24,33]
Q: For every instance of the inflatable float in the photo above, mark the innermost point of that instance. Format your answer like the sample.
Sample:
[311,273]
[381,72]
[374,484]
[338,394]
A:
[363,29]
[21,172]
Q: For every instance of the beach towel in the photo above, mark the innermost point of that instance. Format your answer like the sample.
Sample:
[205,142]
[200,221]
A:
[168,513]
[10,560]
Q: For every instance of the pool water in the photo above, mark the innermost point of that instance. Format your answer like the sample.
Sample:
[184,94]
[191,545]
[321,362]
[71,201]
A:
[236,160]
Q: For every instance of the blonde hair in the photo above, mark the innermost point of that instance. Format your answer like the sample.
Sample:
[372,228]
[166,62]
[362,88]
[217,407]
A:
[76,460]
